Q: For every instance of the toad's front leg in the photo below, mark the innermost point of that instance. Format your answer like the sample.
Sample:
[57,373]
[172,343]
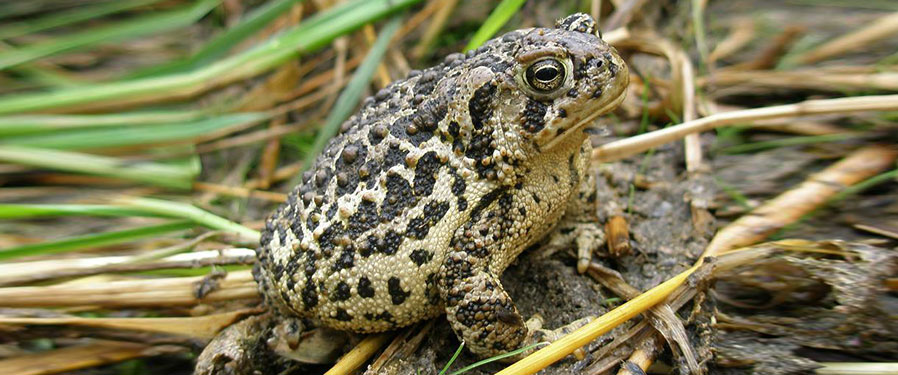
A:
[579,228]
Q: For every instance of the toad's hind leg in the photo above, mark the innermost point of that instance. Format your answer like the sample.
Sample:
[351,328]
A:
[483,315]
[479,310]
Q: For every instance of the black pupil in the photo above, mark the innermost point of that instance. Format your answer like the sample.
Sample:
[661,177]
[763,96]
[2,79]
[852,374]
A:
[546,73]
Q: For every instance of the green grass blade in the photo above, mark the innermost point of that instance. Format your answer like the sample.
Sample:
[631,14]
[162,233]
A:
[308,36]
[44,77]
[189,272]
[64,18]
[39,74]
[187,211]
[93,240]
[452,360]
[864,185]
[146,25]
[39,123]
[146,172]
[791,141]
[736,195]
[349,98]
[498,18]
[21,9]
[496,358]
[30,211]
[127,135]
[221,44]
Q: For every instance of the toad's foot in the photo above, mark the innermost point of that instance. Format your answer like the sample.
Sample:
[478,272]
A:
[240,349]
[541,335]
[580,227]
[587,238]
[266,344]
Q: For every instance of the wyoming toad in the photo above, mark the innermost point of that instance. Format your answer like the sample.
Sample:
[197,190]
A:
[438,183]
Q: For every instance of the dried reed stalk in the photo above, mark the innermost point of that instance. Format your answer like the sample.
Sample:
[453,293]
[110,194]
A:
[810,79]
[790,206]
[73,358]
[177,291]
[201,327]
[630,146]
[741,33]
[882,28]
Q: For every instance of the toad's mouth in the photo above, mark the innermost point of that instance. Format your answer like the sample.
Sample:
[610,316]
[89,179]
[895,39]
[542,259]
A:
[591,117]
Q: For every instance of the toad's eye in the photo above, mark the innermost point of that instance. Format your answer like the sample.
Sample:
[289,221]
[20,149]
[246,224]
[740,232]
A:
[545,75]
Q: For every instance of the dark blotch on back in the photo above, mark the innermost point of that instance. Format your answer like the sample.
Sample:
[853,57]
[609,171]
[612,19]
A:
[398,197]
[384,316]
[457,144]
[341,292]
[454,129]
[310,266]
[295,227]
[346,259]
[494,61]
[458,185]
[421,256]
[364,288]
[390,243]
[418,227]
[342,315]
[425,173]
[425,120]
[479,148]
[397,294]
[581,67]
[426,82]
[393,156]
[328,237]
[347,165]
[363,219]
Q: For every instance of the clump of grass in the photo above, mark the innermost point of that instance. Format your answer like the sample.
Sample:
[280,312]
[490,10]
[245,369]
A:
[311,35]
[149,24]
[498,18]
[93,240]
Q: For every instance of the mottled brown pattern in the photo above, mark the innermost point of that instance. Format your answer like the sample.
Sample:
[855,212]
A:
[438,183]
